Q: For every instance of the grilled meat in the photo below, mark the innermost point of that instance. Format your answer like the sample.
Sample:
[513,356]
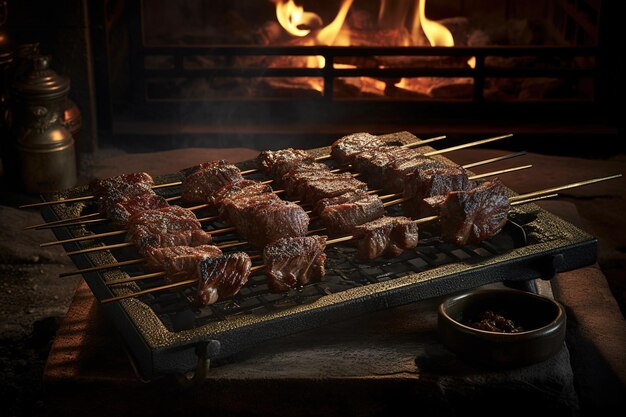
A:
[278,163]
[385,236]
[222,277]
[387,166]
[472,216]
[120,212]
[241,188]
[343,150]
[315,190]
[423,184]
[294,261]
[295,176]
[349,197]
[264,218]
[176,259]
[167,226]
[314,186]
[398,170]
[341,218]
[120,197]
[207,179]
[127,184]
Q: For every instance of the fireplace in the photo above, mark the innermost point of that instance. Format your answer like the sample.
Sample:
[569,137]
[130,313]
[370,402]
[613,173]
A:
[230,73]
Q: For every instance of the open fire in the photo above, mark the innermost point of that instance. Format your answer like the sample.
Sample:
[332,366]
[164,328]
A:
[398,23]
[287,26]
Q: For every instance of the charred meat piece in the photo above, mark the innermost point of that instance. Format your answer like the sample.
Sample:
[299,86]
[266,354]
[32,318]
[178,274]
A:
[349,197]
[207,179]
[136,183]
[294,261]
[291,178]
[386,167]
[120,212]
[385,236]
[176,259]
[222,277]
[230,209]
[475,215]
[398,170]
[112,192]
[241,188]
[373,163]
[344,149]
[342,218]
[167,226]
[313,186]
[314,190]
[267,222]
[423,184]
[278,163]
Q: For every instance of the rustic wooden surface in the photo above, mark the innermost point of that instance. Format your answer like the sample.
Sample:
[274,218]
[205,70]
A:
[380,363]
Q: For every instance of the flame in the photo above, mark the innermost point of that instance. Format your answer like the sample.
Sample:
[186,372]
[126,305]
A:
[291,16]
[436,33]
[328,35]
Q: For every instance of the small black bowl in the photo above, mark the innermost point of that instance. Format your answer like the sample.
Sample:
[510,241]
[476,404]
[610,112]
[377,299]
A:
[542,319]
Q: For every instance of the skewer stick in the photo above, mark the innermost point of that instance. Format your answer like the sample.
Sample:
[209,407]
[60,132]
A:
[564,187]
[87,197]
[163,287]
[497,159]
[328,242]
[129,244]
[102,267]
[99,248]
[468,145]
[62,221]
[72,221]
[82,223]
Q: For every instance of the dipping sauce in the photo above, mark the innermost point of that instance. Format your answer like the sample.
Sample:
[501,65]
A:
[494,322]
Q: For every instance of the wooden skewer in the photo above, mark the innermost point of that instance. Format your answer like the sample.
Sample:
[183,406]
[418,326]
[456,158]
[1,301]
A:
[70,222]
[164,287]
[152,275]
[565,187]
[468,145]
[102,267]
[63,221]
[88,197]
[328,242]
[496,159]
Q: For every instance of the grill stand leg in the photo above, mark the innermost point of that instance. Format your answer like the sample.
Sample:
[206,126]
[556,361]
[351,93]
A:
[205,351]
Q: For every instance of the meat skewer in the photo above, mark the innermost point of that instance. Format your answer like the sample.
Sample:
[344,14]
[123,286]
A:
[175,183]
[208,166]
[229,229]
[69,222]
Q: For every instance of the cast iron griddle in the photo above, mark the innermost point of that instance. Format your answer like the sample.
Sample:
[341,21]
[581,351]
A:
[165,333]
